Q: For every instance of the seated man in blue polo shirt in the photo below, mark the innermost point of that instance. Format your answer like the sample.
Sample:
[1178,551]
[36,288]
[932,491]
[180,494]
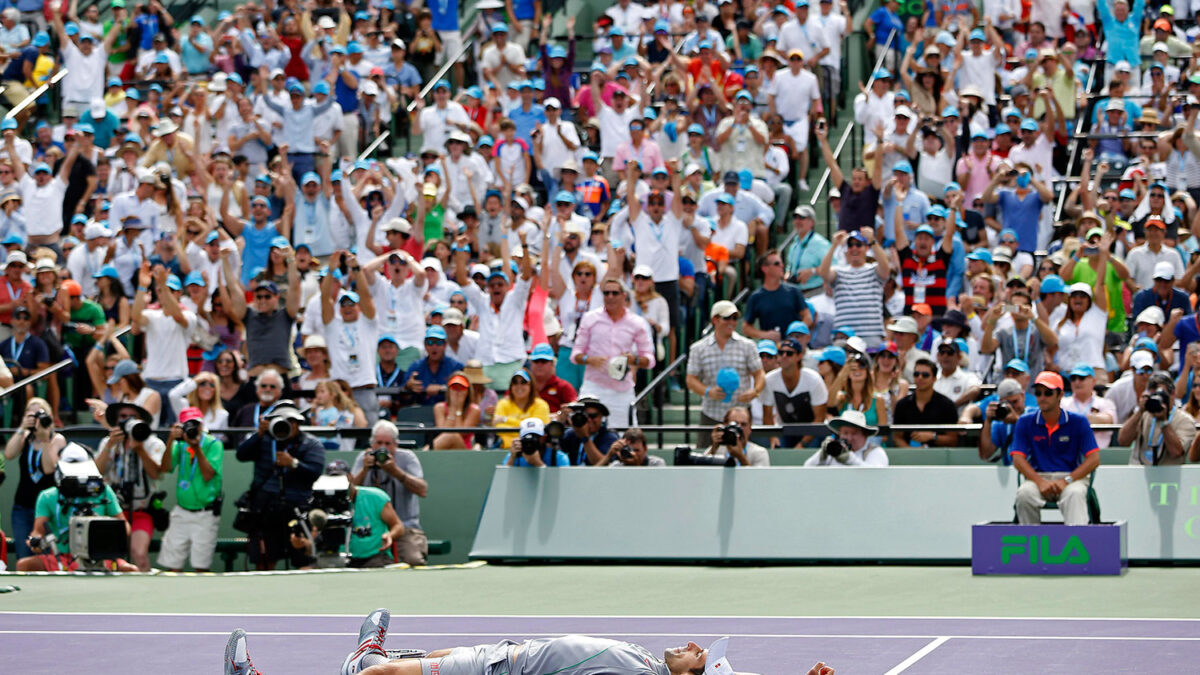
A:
[426,378]
[1055,451]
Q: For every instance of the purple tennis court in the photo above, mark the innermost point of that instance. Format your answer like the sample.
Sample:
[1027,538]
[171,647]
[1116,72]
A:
[193,644]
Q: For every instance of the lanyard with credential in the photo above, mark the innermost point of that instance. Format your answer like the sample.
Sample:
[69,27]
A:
[1024,356]
[1153,451]
[17,349]
[186,483]
[389,382]
[35,463]
[14,295]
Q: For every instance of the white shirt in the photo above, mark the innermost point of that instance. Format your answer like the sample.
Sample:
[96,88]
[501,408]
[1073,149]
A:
[352,349]
[1141,261]
[756,454]
[126,205]
[1039,157]
[730,235]
[82,264]
[832,26]
[468,344]
[397,309]
[166,345]
[794,93]
[776,158]
[981,72]
[493,58]
[504,328]
[554,151]
[614,128]
[434,123]
[481,176]
[658,244]
[1081,343]
[24,151]
[628,18]
[1097,404]
[870,110]
[45,202]
[325,124]
[955,385]
[809,381]
[85,73]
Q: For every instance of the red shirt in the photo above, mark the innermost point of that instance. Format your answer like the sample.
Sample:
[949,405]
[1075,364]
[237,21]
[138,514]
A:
[557,392]
[8,293]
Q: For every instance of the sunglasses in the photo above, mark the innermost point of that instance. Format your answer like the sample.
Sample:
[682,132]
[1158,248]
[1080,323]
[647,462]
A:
[206,384]
[517,383]
[613,293]
[594,415]
[788,352]
[1043,392]
[434,342]
[921,374]
[854,243]
[656,202]
[947,352]
[268,386]
[1144,370]
[584,273]
[732,317]
[263,296]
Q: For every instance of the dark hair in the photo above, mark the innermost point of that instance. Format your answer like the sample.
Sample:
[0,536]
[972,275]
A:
[762,262]
[635,435]
[1023,293]
[928,363]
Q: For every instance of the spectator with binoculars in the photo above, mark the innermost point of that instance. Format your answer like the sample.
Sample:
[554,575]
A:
[286,463]
[1160,431]
[850,443]
[397,472]
[199,457]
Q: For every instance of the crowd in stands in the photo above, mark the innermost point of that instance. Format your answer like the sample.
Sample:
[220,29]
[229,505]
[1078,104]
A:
[566,228]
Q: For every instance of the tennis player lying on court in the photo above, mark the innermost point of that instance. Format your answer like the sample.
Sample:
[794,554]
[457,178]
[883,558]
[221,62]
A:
[567,655]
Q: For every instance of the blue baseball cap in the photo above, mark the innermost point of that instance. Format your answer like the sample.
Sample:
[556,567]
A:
[980,134]
[980,254]
[951,187]
[903,93]
[337,49]
[321,87]
[502,27]
[844,330]
[72,28]
[745,179]
[107,271]
[310,177]
[485,141]
[1145,343]
[797,327]
[945,38]
[950,111]
[649,114]
[10,123]
[162,58]
[362,16]
[768,347]
[1127,194]
[1029,124]
[174,283]
[354,48]
[1017,365]
[1082,370]
[556,52]
[79,218]
[441,84]
[211,237]
[41,39]
[695,129]
[113,82]
[725,198]
[236,79]
[903,167]
[82,128]
[260,199]
[1011,111]
[196,19]
[435,333]
[13,238]
[280,242]
[938,211]
[133,94]
[348,295]
[388,337]
[833,353]
[881,74]
[42,166]
[977,34]
[591,156]
[194,279]
[564,197]
[924,229]
[498,274]
[335,176]
[1052,284]
[542,352]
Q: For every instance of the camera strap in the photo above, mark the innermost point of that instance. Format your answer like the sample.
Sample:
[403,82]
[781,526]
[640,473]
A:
[1154,449]
[35,460]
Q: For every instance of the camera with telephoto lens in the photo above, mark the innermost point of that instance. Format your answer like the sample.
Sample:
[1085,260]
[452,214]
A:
[1157,402]
[685,457]
[327,521]
[42,419]
[835,448]
[731,434]
[279,428]
[532,445]
[135,428]
[1002,411]
[191,430]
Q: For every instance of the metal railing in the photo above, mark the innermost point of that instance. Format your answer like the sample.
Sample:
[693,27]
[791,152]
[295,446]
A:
[42,374]
[1074,152]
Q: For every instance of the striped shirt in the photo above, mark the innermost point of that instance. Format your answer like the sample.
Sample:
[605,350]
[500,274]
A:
[858,298]
[924,281]
[706,358]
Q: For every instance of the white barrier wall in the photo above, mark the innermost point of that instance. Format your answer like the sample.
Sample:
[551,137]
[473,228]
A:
[795,513]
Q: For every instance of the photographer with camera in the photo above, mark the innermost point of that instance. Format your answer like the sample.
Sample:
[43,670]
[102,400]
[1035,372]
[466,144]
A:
[196,517]
[286,462]
[1160,431]
[631,450]
[129,457]
[849,446]
[50,540]
[397,472]
[731,438]
[537,445]
[373,525]
[35,446]
[587,440]
[999,418]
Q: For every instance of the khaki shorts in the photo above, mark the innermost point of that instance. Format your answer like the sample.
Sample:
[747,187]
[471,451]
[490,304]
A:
[191,535]
[413,547]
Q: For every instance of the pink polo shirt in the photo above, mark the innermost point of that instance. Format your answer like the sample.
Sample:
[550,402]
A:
[599,335]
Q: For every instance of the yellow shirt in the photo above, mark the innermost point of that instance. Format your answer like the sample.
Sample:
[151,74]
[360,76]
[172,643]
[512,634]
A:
[509,414]
[41,71]
[1062,85]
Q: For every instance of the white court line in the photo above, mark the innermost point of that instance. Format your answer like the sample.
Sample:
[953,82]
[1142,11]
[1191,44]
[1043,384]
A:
[867,636]
[920,654]
[607,616]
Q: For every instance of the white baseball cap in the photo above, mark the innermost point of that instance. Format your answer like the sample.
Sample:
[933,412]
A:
[1164,270]
[1141,359]
[532,426]
[716,663]
[1152,315]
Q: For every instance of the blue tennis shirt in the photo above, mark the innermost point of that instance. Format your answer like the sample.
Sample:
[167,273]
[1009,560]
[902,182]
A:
[1058,448]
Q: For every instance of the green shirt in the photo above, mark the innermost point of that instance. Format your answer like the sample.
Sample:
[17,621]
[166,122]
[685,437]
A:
[91,314]
[1112,284]
[369,503]
[435,219]
[47,506]
[192,492]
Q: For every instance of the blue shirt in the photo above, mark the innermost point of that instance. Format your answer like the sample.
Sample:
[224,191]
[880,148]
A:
[427,377]
[573,445]
[445,14]
[258,247]
[775,310]
[346,96]
[406,76]
[527,120]
[1058,449]
[105,127]
[885,22]
[147,28]
[16,67]
[915,208]
[1187,331]
[1122,36]
[1148,298]
[311,224]
[1021,215]
[560,457]
[195,60]
[523,9]
[957,268]
[28,354]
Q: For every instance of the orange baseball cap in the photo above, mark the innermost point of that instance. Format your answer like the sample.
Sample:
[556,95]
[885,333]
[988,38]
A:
[922,308]
[459,380]
[1162,24]
[1050,380]
[72,288]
